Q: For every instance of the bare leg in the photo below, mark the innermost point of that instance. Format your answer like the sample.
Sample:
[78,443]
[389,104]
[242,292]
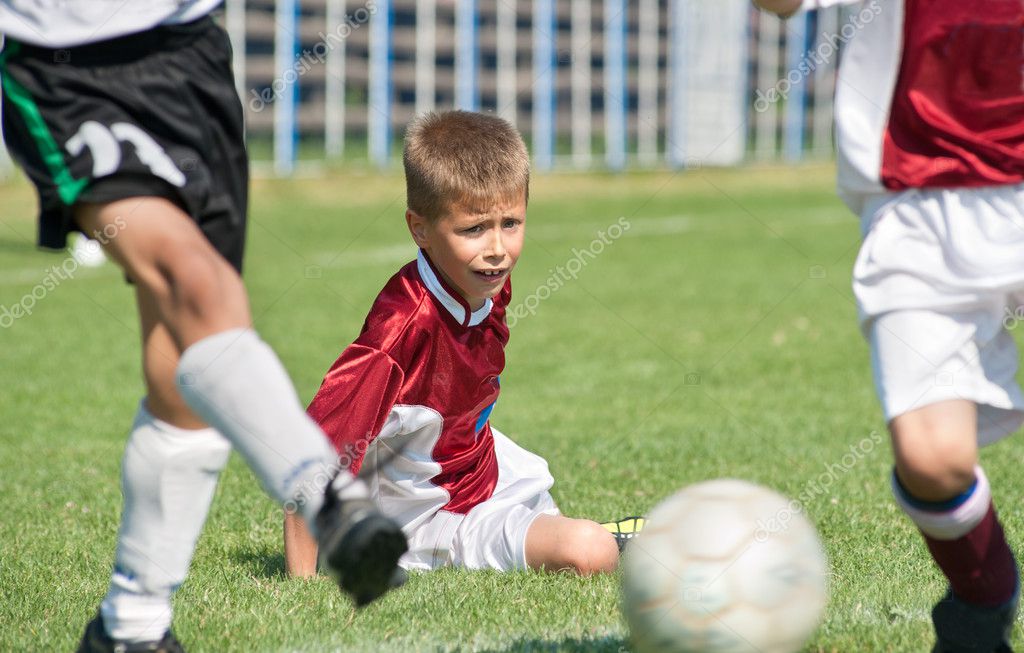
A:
[300,547]
[936,449]
[169,476]
[557,543]
[203,364]
[226,375]
[939,485]
[160,356]
[195,291]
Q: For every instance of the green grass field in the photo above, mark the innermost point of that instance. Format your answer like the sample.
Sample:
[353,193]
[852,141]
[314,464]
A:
[716,337]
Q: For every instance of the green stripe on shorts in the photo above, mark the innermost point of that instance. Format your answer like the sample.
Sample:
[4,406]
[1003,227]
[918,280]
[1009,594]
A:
[68,187]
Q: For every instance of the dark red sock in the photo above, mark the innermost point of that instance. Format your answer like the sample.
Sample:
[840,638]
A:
[979,565]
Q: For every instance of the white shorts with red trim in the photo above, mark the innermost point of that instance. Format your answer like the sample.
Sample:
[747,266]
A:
[493,534]
[939,283]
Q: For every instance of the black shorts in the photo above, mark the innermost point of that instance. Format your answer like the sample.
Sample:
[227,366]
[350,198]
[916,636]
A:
[149,114]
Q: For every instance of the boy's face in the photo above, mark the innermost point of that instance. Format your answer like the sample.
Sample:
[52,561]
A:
[474,249]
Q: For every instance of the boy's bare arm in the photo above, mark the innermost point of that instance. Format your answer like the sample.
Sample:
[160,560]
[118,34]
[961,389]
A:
[299,547]
[783,8]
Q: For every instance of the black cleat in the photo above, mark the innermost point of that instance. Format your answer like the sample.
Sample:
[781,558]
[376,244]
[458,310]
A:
[359,546]
[964,628]
[96,640]
[625,529]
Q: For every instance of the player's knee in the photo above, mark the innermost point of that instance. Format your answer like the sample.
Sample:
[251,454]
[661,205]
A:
[936,467]
[932,462]
[189,270]
[935,479]
[591,549]
[932,465]
[199,280]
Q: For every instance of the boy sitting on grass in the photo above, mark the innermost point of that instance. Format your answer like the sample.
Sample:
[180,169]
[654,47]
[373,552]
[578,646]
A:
[412,395]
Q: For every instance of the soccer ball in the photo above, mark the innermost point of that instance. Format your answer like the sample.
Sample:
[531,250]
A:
[724,566]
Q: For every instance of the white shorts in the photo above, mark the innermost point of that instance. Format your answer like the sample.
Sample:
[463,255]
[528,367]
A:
[939,283]
[493,534]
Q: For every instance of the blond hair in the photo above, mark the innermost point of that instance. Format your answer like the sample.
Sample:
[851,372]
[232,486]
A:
[461,158]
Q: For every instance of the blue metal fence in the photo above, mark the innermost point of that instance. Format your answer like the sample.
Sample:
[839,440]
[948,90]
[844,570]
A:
[613,83]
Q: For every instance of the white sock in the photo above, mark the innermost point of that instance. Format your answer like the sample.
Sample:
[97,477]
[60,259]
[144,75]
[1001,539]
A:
[169,476]
[955,520]
[235,382]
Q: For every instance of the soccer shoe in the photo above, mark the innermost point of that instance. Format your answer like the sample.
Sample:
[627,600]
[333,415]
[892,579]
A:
[96,640]
[624,529]
[359,546]
[964,628]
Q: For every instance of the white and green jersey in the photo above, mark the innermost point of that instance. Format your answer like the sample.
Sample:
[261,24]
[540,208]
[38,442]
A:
[67,23]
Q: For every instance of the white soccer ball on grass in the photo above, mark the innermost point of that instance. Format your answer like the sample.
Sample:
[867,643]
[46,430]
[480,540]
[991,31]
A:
[724,566]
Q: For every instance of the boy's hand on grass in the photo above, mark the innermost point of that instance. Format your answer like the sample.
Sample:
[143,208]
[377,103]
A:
[299,548]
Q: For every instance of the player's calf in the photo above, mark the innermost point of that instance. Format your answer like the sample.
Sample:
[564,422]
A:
[235,382]
[937,483]
[966,541]
[169,476]
[557,543]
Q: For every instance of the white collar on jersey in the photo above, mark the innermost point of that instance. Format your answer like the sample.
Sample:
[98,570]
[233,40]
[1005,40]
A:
[456,305]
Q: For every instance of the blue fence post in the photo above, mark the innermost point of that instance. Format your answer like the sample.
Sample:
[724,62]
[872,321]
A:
[796,104]
[615,91]
[543,83]
[286,77]
[466,54]
[379,105]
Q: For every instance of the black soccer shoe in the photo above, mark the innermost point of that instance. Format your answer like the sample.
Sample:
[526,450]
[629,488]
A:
[964,628]
[96,640]
[624,529]
[359,546]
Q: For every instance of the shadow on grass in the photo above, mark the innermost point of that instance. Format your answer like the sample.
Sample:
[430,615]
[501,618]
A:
[263,563]
[18,246]
[570,645]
